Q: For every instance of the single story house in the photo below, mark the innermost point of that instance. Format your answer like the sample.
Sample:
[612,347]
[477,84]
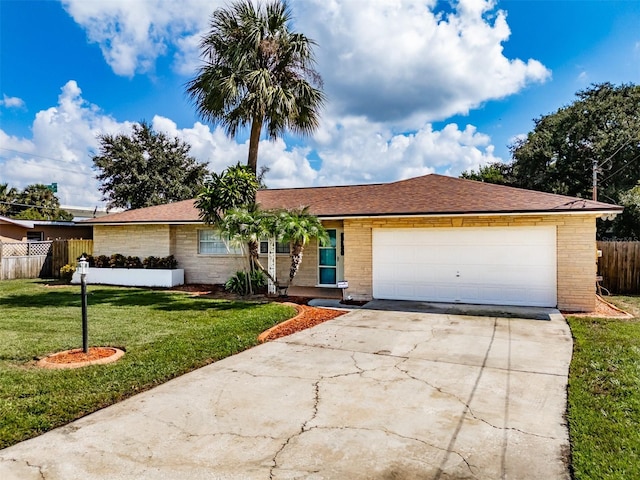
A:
[430,238]
[12,230]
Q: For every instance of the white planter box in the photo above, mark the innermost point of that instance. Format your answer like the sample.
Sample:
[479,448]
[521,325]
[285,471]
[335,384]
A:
[133,277]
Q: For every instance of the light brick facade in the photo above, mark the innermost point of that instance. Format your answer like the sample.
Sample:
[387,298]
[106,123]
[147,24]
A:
[132,240]
[181,241]
[576,246]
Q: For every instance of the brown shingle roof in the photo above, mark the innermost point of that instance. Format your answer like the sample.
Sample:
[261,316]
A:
[427,195]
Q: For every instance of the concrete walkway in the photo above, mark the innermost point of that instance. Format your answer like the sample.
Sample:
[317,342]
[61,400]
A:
[370,395]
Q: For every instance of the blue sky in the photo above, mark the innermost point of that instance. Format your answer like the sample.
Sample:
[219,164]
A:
[414,86]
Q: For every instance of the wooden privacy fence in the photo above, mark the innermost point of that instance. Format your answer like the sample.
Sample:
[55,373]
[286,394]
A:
[25,260]
[619,267]
[67,252]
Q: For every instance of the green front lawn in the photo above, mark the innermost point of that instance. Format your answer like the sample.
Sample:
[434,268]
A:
[164,333]
[604,395]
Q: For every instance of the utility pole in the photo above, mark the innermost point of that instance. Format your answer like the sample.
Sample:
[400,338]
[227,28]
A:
[595,179]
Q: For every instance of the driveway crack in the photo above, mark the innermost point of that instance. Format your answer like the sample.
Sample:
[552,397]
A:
[39,467]
[303,428]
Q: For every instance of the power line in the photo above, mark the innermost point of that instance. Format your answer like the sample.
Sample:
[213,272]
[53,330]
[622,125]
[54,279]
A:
[30,206]
[57,167]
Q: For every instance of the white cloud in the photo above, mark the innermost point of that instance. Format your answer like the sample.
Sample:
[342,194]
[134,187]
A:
[401,62]
[11,102]
[60,149]
[133,34]
[356,150]
[350,150]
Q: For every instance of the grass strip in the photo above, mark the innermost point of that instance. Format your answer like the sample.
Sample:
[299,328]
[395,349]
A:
[165,334]
[604,395]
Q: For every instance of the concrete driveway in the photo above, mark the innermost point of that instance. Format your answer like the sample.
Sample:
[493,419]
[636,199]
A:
[373,394]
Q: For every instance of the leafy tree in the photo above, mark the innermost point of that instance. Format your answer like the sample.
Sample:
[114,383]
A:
[257,72]
[627,225]
[600,128]
[602,125]
[146,168]
[631,198]
[497,172]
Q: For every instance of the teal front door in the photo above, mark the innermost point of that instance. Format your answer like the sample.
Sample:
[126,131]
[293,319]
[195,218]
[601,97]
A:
[330,259]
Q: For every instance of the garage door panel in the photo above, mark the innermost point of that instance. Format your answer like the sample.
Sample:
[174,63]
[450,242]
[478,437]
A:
[510,265]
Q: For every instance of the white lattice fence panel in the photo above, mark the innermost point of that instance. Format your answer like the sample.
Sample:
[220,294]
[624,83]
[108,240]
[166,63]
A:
[26,249]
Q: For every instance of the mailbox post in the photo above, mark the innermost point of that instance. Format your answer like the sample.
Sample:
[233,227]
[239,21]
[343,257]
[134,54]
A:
[83,269]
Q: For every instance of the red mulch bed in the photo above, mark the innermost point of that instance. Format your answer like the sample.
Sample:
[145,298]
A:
[75,356]
[307,317]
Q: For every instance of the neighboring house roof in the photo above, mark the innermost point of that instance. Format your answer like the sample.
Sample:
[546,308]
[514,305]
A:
[427,195]
[20,223]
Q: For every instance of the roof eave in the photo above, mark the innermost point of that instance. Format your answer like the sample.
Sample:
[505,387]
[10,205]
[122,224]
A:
[583,211]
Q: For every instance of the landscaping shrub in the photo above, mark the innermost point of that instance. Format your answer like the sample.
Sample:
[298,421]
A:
[117,261]
[133,262]
[168,262]
[238,284]
[66,273]
[101,261]
[151,262]
[164,262]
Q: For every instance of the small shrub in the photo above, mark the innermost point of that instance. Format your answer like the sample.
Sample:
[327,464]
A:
[66,273]
[101,261]
[165,262]
[168,262]
[258,280]
[238,283]
[117,261]
[133,262]
[150,262]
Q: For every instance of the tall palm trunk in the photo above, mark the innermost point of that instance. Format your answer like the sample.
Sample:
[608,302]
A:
[254,140]
[296,260]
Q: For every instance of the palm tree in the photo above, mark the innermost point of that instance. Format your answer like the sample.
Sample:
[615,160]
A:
[46,203]
[8,196]
[243,226]
[298,227]
[257,72]
[235,187]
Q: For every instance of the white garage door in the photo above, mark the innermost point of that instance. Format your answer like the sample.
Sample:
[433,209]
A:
[501,266]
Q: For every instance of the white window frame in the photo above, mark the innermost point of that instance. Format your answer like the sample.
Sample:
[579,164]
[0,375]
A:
[33,234]
[218,245]
[279,246]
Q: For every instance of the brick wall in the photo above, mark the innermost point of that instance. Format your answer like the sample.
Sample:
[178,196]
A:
[576,266]
[132,240]
[576,245]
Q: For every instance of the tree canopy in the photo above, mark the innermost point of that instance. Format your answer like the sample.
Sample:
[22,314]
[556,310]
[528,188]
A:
[601,130]
[146,168]
[34,202]
[234,188]
[602,125]
[257,72]
[228,202]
